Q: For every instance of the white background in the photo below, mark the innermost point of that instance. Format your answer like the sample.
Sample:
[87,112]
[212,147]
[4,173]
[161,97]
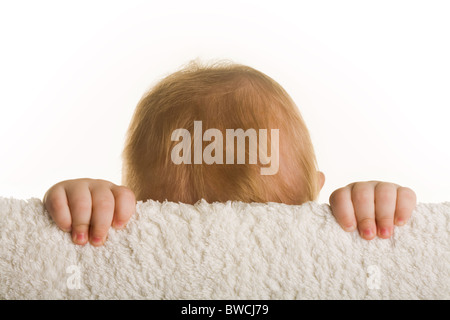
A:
[371,79]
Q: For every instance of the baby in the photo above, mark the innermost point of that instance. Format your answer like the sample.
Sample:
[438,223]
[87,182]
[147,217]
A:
[175,150]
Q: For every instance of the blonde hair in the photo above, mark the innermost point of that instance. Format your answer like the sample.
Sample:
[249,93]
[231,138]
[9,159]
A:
[222,95]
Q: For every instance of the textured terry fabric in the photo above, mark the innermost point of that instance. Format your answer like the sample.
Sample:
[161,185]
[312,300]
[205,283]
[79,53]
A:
[229,250]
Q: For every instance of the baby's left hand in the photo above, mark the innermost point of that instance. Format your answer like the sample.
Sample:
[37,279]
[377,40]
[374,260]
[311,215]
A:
[373,206]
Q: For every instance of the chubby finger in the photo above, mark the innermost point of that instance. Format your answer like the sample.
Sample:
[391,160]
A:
[364,206]
[80,204]
[55,201]
[125,205]
[406,203]
[385,203]
[342,208]
[102,214]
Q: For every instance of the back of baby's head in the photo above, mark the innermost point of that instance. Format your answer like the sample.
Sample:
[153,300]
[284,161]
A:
[219,96]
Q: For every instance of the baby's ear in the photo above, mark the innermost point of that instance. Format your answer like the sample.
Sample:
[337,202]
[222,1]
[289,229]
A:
[321,177]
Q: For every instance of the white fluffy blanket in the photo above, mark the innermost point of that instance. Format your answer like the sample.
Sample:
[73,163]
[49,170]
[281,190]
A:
[227,250]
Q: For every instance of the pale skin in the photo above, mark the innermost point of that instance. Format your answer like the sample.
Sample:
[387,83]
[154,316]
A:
[88,208]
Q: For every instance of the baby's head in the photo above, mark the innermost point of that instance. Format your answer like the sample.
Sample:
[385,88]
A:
[220,96]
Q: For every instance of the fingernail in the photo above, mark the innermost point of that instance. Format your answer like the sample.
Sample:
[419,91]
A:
[79,237]
[367,232]
[400,222]
[97,240]
[385,232]
[350,228]
[119,225]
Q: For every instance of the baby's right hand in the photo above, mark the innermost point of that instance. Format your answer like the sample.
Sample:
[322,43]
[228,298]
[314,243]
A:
[89,207]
